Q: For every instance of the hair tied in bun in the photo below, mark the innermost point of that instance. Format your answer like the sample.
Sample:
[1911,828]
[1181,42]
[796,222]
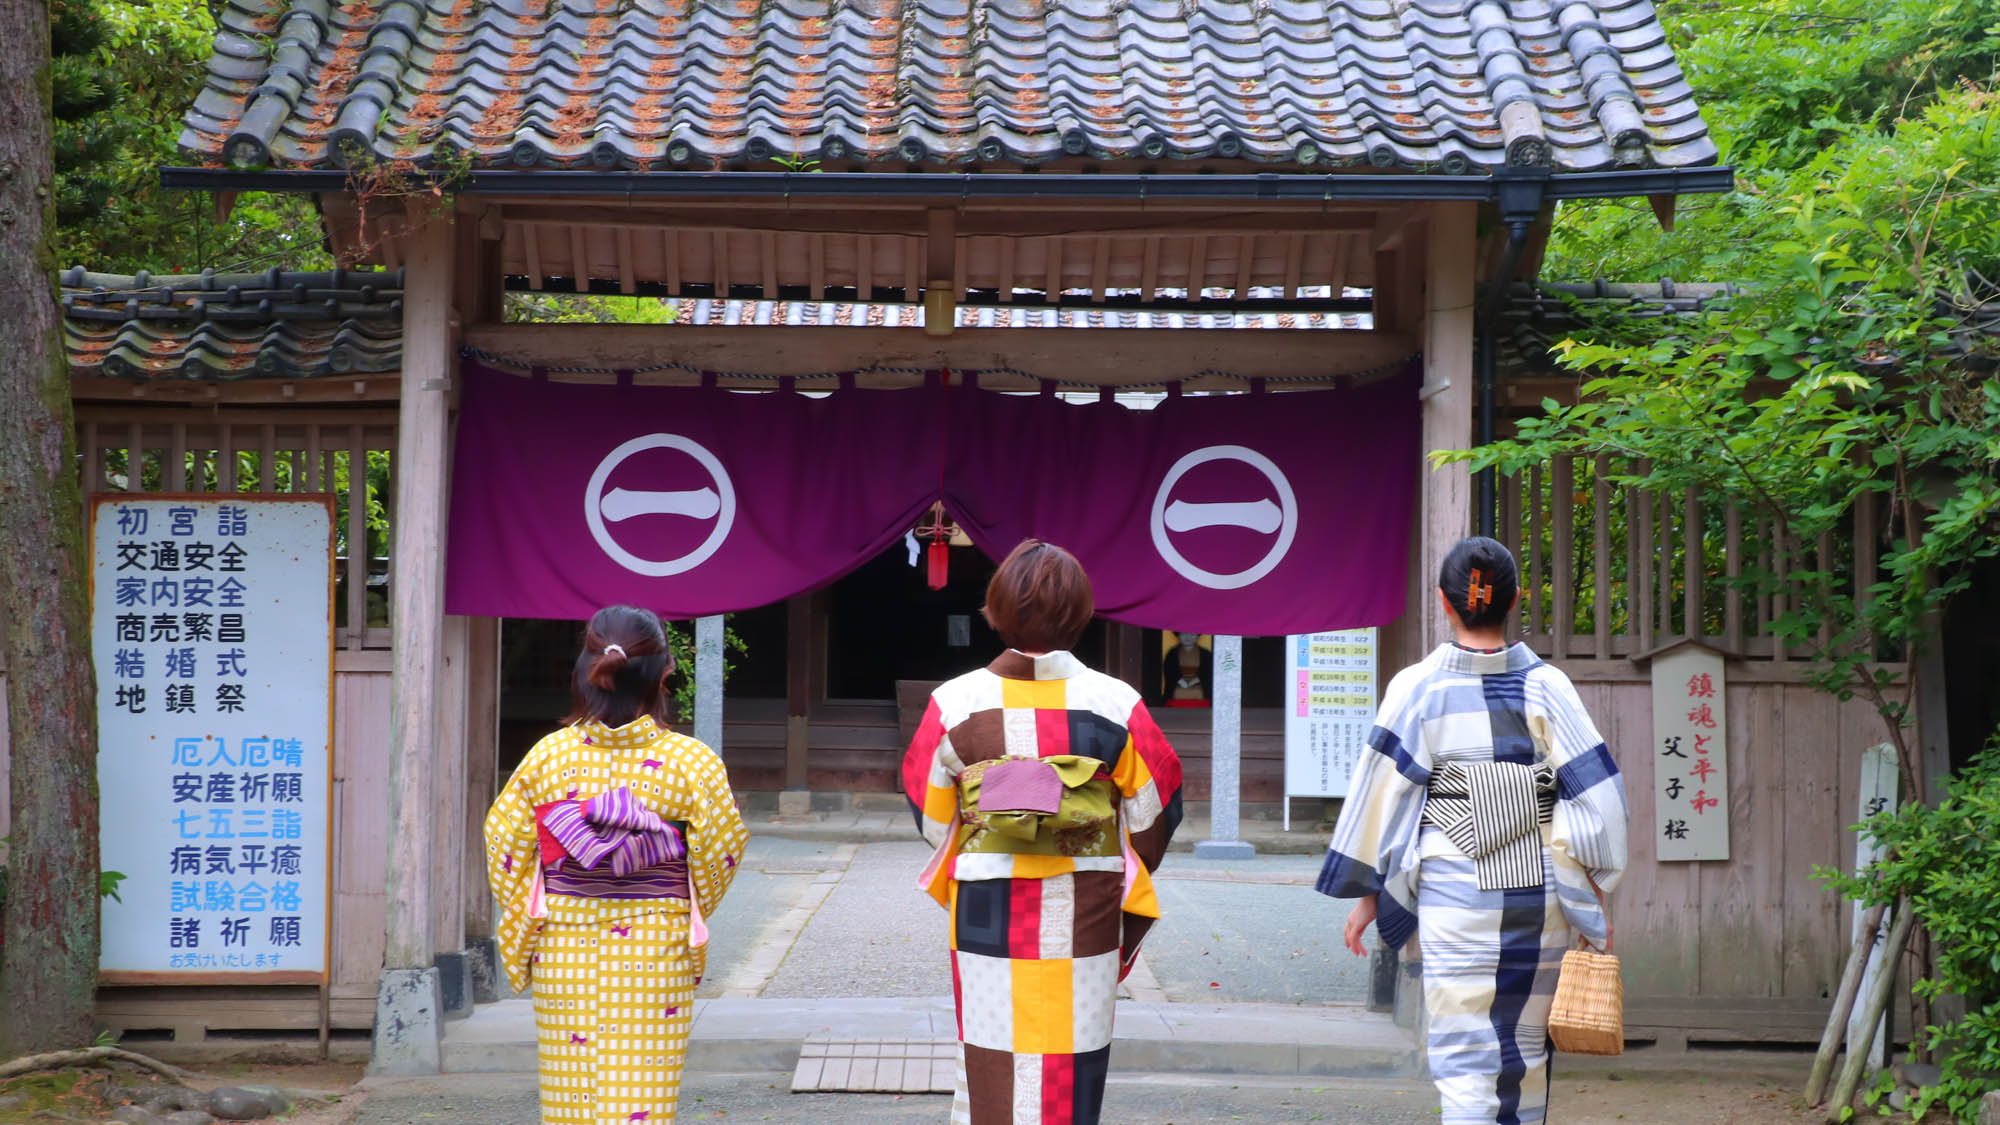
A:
[1478,592]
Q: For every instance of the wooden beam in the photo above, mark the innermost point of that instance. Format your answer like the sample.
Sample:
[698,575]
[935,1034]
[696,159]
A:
[1005,282]
[579,257]
[417,588]
[1447,404]
[1143,355]
[450,816]
[940,244]
[1246,264]
[1391,226]
[482,765]
[798,687]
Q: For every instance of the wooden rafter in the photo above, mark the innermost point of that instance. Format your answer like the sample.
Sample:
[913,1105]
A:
[1142,356]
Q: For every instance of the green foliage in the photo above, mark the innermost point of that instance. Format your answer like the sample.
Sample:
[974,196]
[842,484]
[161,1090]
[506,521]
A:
[680,642]
[1792,91]
[136,66]
[88,141]
[1846,373]
[573,308]
[1945,862]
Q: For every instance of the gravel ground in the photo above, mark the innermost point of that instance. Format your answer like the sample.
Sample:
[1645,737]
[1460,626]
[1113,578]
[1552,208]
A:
[774,874]
[876,934]
[1761,1091]
[1226,937]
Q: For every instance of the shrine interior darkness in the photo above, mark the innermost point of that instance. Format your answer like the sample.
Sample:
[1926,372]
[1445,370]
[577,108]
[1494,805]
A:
[882,623]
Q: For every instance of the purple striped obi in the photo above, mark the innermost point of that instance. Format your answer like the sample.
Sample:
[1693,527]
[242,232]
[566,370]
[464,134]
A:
[611,841]
[665,880]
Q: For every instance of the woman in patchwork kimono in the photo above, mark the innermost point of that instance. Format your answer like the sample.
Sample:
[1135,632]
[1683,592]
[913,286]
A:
[608,847]
[1051,795]
[1488,821]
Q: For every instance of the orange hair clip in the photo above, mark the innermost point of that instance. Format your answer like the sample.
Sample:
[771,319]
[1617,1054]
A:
[1477,594]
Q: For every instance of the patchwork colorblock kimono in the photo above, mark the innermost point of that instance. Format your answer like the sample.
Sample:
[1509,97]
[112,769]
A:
[1051,796]
[1490,946]
[605,851]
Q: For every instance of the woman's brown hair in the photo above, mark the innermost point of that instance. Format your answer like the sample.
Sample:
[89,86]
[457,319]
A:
[619,672]
[1039,600]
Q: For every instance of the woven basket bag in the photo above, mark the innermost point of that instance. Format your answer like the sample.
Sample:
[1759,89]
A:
[1588,1015]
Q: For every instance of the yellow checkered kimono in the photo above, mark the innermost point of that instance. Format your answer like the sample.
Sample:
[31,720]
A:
[612,971]
[1042,925]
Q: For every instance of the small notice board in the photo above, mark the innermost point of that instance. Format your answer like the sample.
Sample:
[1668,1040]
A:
[1690,754]
[1330,705]
[211,623]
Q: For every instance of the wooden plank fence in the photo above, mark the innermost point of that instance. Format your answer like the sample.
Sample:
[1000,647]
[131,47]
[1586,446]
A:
[1747,948]
[293,449]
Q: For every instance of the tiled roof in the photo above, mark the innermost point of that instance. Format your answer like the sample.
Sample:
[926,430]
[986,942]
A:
[1444,85]
[1535,317]
[220,327]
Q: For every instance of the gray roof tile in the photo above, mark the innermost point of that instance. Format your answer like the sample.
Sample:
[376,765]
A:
[660,84]
[235,326]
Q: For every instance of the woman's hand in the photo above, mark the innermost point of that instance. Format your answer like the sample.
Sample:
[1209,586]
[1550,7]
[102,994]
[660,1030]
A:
[1358,920]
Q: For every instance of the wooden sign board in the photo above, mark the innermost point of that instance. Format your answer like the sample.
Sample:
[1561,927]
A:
[211,621]
[1690,755]
[1878,796]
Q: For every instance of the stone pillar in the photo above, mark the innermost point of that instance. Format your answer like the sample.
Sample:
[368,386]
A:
[795,799]
[1226,757]
[708,681]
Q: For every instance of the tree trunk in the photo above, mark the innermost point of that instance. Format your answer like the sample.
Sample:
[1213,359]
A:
[48,964]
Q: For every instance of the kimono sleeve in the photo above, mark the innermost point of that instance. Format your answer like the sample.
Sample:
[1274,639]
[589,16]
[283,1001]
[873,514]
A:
[513,858]
[716,835]
[1148,776]
[930,776]
[1591,818]
[1375,840]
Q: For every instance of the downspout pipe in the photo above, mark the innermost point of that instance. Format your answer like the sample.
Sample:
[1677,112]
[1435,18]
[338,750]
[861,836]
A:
[1519,192]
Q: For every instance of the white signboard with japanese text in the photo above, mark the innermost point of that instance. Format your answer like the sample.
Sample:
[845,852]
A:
[1690,755]
[1329,707]
[212,628]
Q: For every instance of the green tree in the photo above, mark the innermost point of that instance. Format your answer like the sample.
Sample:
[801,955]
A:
[142,62]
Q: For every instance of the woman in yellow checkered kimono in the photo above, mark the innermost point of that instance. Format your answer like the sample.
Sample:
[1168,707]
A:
[606,850]
[1051,795]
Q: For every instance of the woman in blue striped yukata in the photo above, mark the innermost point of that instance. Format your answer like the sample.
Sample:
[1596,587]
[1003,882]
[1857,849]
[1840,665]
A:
[1487,821]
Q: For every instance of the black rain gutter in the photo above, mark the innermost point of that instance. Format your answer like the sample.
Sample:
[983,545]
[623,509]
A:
[947,186]
[1520,195]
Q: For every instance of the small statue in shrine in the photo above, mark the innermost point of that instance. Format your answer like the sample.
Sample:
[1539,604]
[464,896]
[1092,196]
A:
[1186,672]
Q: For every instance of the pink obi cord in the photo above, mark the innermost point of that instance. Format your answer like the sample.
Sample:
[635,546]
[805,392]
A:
[612,846]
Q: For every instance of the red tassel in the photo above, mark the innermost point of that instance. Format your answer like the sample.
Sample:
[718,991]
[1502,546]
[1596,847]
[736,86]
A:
[938,558]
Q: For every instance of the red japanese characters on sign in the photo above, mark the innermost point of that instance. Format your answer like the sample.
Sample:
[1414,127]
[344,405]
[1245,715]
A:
[1690,754]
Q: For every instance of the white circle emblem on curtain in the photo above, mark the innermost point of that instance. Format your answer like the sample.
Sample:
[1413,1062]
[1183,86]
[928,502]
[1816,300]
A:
[1263,516]
[716,503]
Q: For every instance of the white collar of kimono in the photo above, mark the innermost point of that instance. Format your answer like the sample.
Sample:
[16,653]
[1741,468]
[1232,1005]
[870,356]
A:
[641,731]
[1464,661]
[1049,665]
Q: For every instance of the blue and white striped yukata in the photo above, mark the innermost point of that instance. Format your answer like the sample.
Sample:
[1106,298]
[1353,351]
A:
[1490,956]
